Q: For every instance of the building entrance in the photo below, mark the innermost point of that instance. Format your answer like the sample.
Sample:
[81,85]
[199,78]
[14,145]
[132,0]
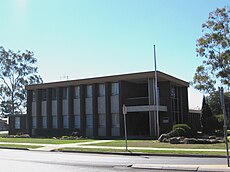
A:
[138,124]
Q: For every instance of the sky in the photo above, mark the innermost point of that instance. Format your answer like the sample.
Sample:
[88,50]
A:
[90,38]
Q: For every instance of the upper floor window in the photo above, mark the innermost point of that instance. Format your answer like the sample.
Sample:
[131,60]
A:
[101,90]
[33,96]
[65,93]
[43,95]
[54,94]
[173,92]
[115,88]
[89,91]
[77,92]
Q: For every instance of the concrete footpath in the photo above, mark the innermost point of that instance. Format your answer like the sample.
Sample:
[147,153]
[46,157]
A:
[178,167]
[175,167]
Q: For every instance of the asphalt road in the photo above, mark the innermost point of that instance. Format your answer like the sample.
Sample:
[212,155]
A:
[35,161]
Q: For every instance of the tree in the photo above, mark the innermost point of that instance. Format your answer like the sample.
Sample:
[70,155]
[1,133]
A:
[16,71]
[214,47]
[206,117]
[214,102]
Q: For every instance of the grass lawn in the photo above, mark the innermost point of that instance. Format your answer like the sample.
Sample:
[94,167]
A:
[156,144]
[18,146]
[144,151]
[41,140]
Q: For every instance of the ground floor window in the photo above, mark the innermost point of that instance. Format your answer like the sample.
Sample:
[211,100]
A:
[17,123]
[102,120]
[65,121]
[89,120]
[77,121]
[54,121]
[44,121]
[34,122]
[115,120]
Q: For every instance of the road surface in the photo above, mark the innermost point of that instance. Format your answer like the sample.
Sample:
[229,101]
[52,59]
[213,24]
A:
[36,161]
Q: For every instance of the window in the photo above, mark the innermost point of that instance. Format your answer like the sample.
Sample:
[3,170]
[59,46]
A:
[54,121]
[65,121]
[34,122]
[44,122]
[101,90]
[89,121]
[89,91]
[65,93]
[77,122]
[173,92]
[43,95]
[17,123]
[54,94]
[176,104]
[77,92]
[115,88]
[33,96]
[115,120]
[102,120]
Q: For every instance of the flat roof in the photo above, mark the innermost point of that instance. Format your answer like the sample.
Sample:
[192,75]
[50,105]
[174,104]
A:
[131,77]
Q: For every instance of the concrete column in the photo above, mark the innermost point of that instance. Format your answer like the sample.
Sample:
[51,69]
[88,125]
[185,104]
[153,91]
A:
[82,110]
[70,106]
[95,110]
[184,100]
[108,109]
[152,115]
[49,107]
[38,108]
[29,111]
[121,100]
[59,108]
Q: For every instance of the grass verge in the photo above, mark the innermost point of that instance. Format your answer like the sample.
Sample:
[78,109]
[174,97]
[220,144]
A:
[157,144]
[202,153]
[41,140]
[12,146]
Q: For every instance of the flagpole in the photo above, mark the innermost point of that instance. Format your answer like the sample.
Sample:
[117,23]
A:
[156,94]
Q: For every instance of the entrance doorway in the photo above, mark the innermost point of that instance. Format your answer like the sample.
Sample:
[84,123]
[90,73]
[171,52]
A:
[138,124]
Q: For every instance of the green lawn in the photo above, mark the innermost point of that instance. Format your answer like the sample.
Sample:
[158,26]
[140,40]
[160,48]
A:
[144,151]
[156,144]
[41,140]
[18,146]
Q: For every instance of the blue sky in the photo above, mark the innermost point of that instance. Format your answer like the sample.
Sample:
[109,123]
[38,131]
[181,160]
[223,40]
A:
[87,38]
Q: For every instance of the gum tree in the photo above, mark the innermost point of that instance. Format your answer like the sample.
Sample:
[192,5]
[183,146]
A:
[17,69]
[214,48]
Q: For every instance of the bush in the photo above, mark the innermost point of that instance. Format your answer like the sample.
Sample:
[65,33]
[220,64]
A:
[219,133]
[67,138]
[184,126]
[177,132]
[228,132]
[17,136]
[186,129]
[220,119]
[210,125]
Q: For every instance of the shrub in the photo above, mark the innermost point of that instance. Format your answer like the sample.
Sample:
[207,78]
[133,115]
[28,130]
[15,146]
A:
[228,132]
[220,119]
[71,138]
[17,136]
[177,132]
[219,133]
[210,124]
[184,126]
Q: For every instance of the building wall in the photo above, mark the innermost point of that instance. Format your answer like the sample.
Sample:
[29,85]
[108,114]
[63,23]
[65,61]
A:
[98,114]
[94,116]
[17,125]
